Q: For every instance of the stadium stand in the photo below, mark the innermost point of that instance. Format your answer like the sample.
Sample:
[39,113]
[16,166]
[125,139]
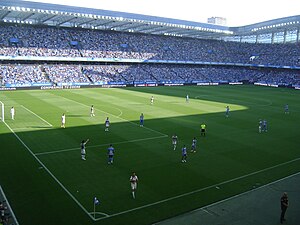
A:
[125,58]
[48,41]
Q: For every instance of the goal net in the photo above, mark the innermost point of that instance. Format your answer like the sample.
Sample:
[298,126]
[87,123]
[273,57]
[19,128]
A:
[2,111]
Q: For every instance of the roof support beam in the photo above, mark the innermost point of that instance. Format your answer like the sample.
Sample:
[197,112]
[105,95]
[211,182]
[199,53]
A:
[84,22]
[4,15]
[26,17]
[157,29]
[149,28]
[120,25]
[133,27]
[68,20]
[164,29]
[103,24]
[47,18]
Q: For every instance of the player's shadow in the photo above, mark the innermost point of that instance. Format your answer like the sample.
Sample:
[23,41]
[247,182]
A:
[76,115]
[37,127]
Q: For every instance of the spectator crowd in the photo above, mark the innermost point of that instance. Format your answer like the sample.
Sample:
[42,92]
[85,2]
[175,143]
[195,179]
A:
[83,43]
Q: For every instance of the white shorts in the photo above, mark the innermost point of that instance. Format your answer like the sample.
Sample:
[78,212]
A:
[133,185]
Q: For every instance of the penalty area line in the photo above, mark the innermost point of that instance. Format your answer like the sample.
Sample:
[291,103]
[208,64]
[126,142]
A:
[93,146]
[49,124]
[147,128]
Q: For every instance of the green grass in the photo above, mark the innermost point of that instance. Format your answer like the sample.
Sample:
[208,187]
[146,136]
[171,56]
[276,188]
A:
[46,181]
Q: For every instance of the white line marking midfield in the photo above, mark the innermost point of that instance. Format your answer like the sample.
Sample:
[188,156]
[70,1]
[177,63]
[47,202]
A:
[93,146]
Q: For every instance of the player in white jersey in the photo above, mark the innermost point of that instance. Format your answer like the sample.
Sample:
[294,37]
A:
[260,126]
[63,121]
[92,111]
[133,182]
[82,147]
[187,99]
[151,100]
[107,124]
[174,141]
[12,113]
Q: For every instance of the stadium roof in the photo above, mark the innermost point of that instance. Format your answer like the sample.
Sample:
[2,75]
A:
[24,12]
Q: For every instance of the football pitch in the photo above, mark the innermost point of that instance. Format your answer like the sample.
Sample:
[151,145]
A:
[46,181]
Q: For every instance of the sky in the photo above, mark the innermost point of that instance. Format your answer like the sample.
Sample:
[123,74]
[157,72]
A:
[237,12]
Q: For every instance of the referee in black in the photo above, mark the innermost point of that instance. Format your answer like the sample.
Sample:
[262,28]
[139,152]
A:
[284,202]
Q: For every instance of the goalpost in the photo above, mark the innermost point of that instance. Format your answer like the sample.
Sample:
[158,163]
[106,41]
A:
[2,111]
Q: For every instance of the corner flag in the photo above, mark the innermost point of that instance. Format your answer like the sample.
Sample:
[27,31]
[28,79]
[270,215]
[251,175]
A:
[96,201]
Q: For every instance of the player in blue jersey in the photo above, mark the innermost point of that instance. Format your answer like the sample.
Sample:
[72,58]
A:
[265,125]
[110,153]
[107,124]
[174,141]
[194,145]
[227,111]
[184,154]
[141,120]
[286,109]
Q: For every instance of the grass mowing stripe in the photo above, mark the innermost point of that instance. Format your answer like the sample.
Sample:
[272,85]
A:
[37,116]
[115,116]
[49,172]
[93,146]
[201,189]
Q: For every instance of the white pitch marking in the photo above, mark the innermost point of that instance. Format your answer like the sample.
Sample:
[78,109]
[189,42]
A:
[100,213]
[206,188]
[244,193]
[164,200]
[205,210]
[115,116]
[92,146]
[37,116]
[49,172]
